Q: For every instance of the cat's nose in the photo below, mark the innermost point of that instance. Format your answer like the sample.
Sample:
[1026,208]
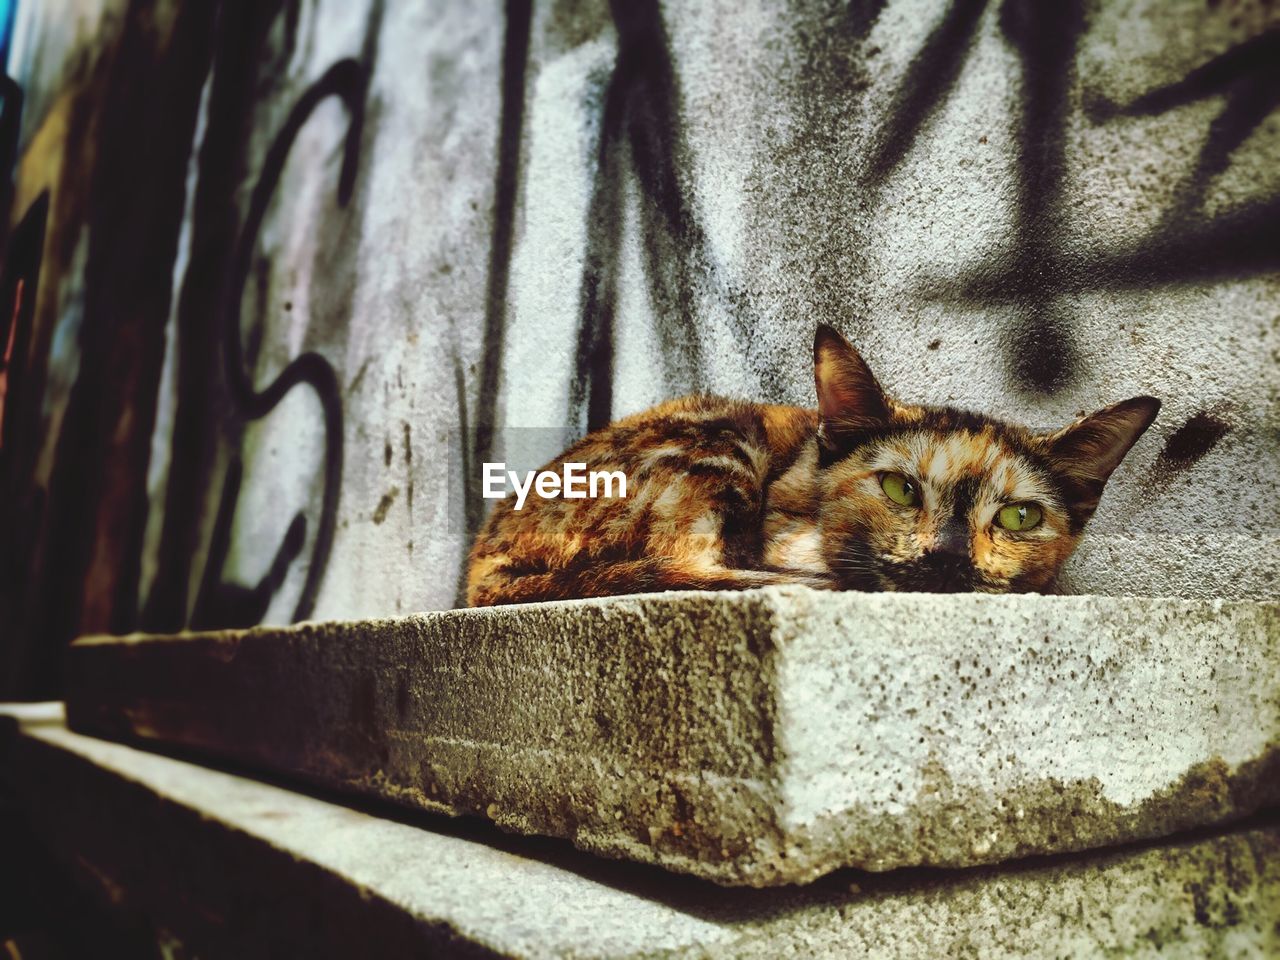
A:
[945,572]
[953,539]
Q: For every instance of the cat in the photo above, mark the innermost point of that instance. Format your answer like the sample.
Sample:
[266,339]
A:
[863,493]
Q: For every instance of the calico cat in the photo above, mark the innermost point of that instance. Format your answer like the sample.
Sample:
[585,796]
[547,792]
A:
[863,493]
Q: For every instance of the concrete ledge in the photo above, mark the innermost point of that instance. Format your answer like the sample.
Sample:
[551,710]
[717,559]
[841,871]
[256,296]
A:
[756,738]
[231,867]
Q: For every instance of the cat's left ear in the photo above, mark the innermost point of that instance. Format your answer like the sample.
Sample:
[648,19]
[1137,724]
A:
[1087,451]
[849,398]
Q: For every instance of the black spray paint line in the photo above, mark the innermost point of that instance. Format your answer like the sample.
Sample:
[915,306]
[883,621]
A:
[1041,351]
[11,102]
[347,80]
[929,79]
[135,122]
[1191,442]
[471,506]
[1039,348]
[222,605]
[1246,76]
[591,389]
[221,167]
[862,15]
[506,188]
[19,286]
[1235,245]
[674,239]
[1181,249]
[641,120]
[22,502]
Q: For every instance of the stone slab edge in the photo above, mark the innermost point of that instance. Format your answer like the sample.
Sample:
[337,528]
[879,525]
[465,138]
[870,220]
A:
[759,738]
[231,867]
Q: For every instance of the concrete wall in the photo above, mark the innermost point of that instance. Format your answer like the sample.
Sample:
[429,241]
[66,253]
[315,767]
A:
[559,213]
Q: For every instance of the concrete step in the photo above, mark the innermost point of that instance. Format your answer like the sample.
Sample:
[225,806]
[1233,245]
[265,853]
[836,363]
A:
[755,738]
[225,866]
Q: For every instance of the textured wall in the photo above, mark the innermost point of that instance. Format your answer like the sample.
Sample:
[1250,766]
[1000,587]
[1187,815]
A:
[457,218]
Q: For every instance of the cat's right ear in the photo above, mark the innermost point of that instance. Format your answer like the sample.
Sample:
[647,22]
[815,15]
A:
[1087,451]
[850,400]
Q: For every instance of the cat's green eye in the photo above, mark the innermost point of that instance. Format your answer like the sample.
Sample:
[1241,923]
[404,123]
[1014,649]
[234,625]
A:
[1019,516]
[900,489]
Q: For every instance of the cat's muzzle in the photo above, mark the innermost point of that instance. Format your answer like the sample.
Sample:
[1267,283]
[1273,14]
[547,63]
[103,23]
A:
[936,572]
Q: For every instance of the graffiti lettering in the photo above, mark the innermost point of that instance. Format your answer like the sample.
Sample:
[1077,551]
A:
[345,80]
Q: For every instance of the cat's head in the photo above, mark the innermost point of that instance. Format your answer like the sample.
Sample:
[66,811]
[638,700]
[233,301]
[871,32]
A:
[940,500]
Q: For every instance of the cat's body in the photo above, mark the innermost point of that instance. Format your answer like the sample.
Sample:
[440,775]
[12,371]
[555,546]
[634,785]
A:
[861,493]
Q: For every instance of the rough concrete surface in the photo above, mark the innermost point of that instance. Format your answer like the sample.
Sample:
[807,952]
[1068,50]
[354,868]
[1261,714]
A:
[232,867]
[755,738]
[1027,208]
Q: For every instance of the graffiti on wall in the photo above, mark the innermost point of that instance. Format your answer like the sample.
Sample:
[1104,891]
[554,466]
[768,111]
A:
[219,604]
[184,170]
[62,594]
[641,137]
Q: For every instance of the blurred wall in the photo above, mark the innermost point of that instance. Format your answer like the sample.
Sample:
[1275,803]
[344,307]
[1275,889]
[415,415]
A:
[301,262]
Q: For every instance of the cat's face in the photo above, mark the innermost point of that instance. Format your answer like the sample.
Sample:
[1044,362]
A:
[939,500]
